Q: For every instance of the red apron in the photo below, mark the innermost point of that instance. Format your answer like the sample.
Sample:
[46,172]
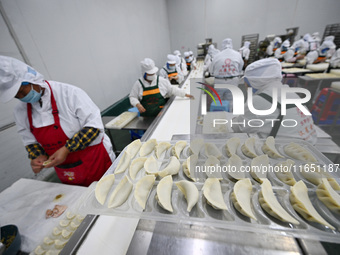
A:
[80,167]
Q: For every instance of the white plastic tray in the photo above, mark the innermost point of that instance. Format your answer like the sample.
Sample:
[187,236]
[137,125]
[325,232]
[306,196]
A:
[120,121]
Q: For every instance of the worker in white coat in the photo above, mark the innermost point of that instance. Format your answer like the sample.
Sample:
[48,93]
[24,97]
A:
[324,52]
[282,50]
[315,41]
[170,71]
[190,62]
[212,51]
[273,46]
[245,52]
[181,64]
[335,59]
[59,124]
[151,91]
[263,76]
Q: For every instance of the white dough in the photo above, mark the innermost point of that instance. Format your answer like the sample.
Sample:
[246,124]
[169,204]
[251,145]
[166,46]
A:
[213,193]
[151,166]
[248,148]
[143,188]
[178,148]
[103,187]
[162,147]
[120,193]
[298,152]
[234,167]
[196,145]
[136,165]
[123,164]
[213,168]
[270,204]
[328,196]
[164,190]
[172,168]
[134,147]
[241,197]
[147,147]
[189,167]
[212,150]
[232,145]
[259,167]
[269,148]
[285,174]
[190,192]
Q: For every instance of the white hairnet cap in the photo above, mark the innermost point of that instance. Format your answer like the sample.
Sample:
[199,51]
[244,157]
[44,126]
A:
[227,44]
[315,34]
[12,73]
[307,37]
[278,39]
[171,59]
[190,52]
[177,53]
[286,43]
[148,66]
[262,72]
[247,44]
[186,54]
[329,38]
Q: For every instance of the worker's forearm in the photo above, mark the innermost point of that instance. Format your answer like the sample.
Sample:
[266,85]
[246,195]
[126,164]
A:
[82,139]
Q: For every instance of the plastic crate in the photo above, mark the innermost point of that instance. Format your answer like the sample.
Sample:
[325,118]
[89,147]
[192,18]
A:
[219,107]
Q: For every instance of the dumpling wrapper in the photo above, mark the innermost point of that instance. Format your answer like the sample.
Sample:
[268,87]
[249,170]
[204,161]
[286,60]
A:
[120,193]
[232,145]
[248,148]
[190,192]
[298,152]
[162,147]
[314,173]
[178,148]
[285,174]
[134,147]
[269,148]
[136,165]
[259,167]
[147,147]
[241,197]
[270,204]
[59,244]
[189,166]
[212,166]
[151,166]
[328,196]
[143,188]
[212,150]
[196,145]
[213,193]
[123,164]
[164,190]
[302,204]
[234,167]
[103,187]
[172,168]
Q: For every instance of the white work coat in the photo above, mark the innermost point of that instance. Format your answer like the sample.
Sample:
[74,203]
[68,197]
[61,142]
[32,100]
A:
[182,66]
[335,60]
[164,74]
[165,88]
[76,111]
[289,56]
[227,63]
[245,52]
[304,130]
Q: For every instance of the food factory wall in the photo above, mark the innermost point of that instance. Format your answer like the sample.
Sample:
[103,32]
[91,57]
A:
[95,45]
[192,21]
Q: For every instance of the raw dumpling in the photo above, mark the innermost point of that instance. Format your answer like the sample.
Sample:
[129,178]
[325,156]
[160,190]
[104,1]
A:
[212,150]
[269,148]
[270,204]
[232,145]
[172,168]
[103,187]
[301,203]
[123,164]
[121,193]
[241,197]
[196,145]
[134,147]
[213,168]
[213,193]
[151,166]
[285,174]
[296,151]
[234,166]
[143,188]
[189,166]
[177,149]
[190,192]
[163,196]
[328,196]
[136,165]
[314,173]
[259,167]
[161,147]
[248,148]
[147,147]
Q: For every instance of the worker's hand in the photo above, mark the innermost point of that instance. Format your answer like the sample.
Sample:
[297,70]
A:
[190,96]
[37,163]
[140,108]
[58,157]
[176,77]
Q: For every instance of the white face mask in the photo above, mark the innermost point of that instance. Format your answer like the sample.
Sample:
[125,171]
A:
[151,77]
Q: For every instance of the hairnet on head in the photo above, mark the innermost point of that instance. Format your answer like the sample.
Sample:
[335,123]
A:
[307,37]
[329,38]
[12,73]
[186,54]
[227,44]
[263,72]
[277,39]
[171,59]
[148,66]
[246,44]
[286,43]
[177,53]
[190,52]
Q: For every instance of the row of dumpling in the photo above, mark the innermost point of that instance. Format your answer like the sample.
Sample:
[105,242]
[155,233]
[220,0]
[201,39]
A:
[55,242]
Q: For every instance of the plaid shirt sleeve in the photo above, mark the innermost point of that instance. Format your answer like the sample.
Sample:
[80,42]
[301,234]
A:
[35,150]
[82,139]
